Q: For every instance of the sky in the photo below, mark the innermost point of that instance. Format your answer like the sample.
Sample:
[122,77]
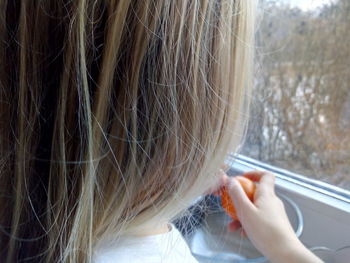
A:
[308,5]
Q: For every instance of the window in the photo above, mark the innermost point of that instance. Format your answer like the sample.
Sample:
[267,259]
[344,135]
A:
[300,115]
[300,122]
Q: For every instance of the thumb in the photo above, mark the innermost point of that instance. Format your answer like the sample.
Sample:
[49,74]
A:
[267,183]
[239,197]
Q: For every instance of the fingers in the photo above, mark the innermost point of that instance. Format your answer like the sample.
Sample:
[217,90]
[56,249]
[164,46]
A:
[235,226]
[267,183]
[255,175]
[266,180]
[239,197]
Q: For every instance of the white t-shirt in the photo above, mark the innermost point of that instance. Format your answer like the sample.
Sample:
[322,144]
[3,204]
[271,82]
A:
[169,247]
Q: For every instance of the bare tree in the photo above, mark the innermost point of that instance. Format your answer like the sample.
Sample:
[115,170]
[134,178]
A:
[301,106]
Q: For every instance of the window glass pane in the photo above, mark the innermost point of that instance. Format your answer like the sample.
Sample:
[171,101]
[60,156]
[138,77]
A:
[300,115]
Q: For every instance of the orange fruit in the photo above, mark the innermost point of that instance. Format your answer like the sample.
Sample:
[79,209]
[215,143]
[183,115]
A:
[226,201]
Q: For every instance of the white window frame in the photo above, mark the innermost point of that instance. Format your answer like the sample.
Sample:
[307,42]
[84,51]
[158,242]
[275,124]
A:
[292,182]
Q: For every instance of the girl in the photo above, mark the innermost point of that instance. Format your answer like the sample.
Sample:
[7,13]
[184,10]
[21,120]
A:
[115,115]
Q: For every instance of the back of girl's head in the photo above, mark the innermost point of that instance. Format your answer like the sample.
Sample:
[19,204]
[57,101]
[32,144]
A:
[114,116]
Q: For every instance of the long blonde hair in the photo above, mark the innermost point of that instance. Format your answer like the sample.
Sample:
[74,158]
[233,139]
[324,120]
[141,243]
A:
[114,116]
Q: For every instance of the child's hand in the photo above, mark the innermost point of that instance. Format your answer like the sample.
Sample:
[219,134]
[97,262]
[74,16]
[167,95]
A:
[265,221]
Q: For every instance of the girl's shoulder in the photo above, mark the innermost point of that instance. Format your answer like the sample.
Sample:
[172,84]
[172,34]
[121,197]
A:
[169,247]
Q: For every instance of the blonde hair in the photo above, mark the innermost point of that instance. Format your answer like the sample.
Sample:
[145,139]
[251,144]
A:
[115,115]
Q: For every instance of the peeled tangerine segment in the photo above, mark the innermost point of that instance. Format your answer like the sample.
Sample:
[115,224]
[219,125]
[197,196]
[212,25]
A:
[249,188]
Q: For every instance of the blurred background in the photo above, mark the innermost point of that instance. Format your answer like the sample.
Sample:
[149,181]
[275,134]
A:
[300,115]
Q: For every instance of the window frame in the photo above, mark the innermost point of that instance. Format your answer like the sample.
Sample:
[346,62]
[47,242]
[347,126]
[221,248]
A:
[318,191]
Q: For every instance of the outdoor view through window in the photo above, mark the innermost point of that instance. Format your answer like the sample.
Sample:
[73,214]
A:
[300,115]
